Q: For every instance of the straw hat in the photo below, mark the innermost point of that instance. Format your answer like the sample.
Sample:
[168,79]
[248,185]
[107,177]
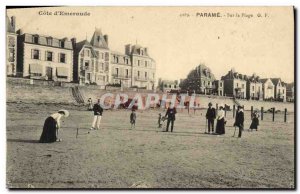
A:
[65,112]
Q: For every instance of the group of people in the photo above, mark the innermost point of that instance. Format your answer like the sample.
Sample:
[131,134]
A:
[52,123]
[221,122]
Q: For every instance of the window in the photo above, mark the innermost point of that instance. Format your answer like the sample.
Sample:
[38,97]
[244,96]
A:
[142,52]
[253,88]
[35,39]
[117,71]
[86,65]
[102,55]
[35,54]
[49,56]
[117,60]
[126,61]
[243,86]
[127,72]
[98,38]
[221,84]
[237,85]
[146,74]
[62,44]
[283,91]
[146,63]
[49,41]
[138,74]
[62,58]
[138,62]
[102,66]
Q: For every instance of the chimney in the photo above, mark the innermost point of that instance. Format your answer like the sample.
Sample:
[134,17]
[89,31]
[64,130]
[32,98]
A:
[73,40]
[127,49]
[106,39]
[13,23]
[20,32]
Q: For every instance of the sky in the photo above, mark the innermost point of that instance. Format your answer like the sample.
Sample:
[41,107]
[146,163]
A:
[177,42]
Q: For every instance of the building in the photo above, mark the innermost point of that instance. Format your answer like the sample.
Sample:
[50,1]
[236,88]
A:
[218,87]
[95,63]
[121,66]
[91,60]
[45,57]
[11,46]
[280,89]
[290,92]
[168,85]
[235,84]
[201,80]
[254,88]
[135,68]
[268,89]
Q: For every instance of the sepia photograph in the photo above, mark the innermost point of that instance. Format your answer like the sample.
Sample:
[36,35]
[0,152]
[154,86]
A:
[150,97]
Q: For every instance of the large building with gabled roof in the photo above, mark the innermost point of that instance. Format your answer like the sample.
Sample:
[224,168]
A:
[91,60]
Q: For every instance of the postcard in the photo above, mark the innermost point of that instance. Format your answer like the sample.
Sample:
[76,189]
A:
[151,97]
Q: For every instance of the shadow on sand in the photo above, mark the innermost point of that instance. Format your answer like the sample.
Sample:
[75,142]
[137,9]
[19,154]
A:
[23,140]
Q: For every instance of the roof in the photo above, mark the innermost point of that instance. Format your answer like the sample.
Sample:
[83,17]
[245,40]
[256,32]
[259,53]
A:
[232,74]
[290,85]
[98,39]
[43,40]
[264,80]
[136,49]
[275,80]
[82,44]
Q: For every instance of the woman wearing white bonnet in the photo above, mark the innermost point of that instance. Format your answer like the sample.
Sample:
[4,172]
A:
[51,126]
[220,129]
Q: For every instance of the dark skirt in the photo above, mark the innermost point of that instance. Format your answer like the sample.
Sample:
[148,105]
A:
[220,129]
[255,123]
[49,131]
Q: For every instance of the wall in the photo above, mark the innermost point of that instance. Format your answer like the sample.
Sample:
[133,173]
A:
[20,90]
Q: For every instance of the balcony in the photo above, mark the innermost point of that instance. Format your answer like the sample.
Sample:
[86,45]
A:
[118,76]
[143,79]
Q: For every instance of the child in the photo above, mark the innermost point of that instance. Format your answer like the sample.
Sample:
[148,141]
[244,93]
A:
[159,120]
[133,118]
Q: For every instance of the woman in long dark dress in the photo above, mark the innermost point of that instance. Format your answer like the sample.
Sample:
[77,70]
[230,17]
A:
[51,126]
[255,121]
[220,128]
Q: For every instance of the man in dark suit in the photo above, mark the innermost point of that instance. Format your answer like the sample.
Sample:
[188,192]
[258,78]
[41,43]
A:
[170,114]
[239,120]
[98,110]
[210,116]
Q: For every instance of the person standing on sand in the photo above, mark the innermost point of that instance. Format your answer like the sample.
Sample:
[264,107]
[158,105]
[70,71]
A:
[210,116]
[255,121]
[98,110]
[51,127]
[90,104]
[132,118]
[239,120]
[220,129]
[171,118]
